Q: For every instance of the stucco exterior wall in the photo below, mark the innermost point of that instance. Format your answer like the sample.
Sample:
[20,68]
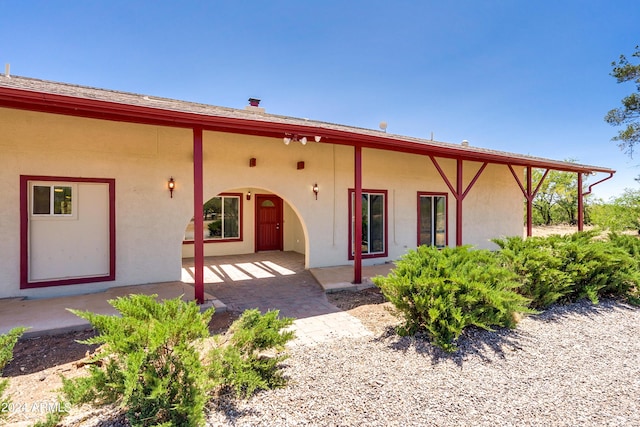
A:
[140,158]
[150,225]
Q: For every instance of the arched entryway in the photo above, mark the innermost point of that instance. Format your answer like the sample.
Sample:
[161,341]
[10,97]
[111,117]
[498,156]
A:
[242,221]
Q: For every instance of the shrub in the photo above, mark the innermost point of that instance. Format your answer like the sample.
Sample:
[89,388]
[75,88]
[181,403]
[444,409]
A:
[567,268]
[539,268]
[443,291]
[7,342]
[245,364]
[150,362]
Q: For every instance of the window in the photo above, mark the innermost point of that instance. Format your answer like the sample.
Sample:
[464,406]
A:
[51,199]
[374,223]
[222,219]
[432,219]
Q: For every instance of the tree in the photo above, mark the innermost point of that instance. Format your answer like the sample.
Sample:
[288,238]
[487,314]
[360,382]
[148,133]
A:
[620,213]
[629,113]
[557,199]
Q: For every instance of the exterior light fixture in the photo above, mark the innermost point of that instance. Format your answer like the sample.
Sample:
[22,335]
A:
[288,137]
[249,195]
[172,185]
[316,190]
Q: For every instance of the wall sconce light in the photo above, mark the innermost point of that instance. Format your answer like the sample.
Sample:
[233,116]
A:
[252,162]
[171,184]
[317,138]
[249,195]
[316,190]
[300,165]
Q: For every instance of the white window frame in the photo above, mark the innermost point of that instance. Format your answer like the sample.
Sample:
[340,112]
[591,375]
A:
[434,230]
[52,186]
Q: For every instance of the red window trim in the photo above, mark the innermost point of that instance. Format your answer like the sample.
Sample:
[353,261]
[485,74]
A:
[386,225]
[24,232]
[241,223]
[446,216]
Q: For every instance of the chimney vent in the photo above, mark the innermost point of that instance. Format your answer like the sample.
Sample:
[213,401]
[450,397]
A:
[254,106]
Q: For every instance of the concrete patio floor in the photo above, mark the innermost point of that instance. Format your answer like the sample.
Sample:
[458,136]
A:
[267,280]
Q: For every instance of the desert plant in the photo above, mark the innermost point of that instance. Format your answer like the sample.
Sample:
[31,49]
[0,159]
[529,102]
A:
[567,268]
[7,343]
[444,291]
[250,360]
[539,268]
[150,362]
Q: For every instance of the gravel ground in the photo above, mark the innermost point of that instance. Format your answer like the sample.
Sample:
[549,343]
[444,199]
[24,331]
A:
[576,365]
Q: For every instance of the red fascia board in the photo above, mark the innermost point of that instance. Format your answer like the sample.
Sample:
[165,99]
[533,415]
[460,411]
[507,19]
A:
[107,110]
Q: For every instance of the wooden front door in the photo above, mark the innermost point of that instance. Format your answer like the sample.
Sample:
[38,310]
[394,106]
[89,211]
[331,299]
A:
[268,223]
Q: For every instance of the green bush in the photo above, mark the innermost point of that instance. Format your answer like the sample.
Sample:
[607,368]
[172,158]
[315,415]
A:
[443,291]
[7,342]
[150,362]
[250,360]
[215,228]
[629,243]
[567,268]
[619,213]
[539,267]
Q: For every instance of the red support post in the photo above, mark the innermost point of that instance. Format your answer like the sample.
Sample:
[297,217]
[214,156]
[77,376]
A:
[357,212]
[198,219]
[459,197]
[529,197]
[580,203]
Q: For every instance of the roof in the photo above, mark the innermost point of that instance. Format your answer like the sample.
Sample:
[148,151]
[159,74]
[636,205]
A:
[62,98]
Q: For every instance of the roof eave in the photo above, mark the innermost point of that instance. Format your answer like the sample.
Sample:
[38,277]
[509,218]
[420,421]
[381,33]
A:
[108,110]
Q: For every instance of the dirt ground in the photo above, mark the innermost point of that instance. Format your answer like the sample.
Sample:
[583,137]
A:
[34,373]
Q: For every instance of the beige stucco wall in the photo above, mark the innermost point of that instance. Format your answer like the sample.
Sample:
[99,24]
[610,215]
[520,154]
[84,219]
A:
[150,225]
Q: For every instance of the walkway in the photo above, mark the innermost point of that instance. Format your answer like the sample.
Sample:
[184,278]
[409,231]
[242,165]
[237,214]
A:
[268,280]
[278,280]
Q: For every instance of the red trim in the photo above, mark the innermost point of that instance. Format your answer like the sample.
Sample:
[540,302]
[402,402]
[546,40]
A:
[446,214]
[458,192]
[459,198]
[357,182]
[580,204]
[596,183]
[240,224]
[198,220]
[24,232]
[353,250]
[108,110]
[528,195]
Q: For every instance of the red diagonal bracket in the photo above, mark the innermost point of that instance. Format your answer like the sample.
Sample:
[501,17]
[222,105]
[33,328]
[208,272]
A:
[458,192]
[528,194]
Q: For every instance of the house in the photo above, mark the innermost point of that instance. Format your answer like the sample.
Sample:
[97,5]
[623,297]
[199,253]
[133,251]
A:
[103,188]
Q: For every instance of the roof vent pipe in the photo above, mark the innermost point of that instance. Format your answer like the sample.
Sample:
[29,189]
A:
[7,70]
[254,105]
[465,142]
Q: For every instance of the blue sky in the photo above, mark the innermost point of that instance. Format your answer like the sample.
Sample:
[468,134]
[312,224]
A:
[522,76]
